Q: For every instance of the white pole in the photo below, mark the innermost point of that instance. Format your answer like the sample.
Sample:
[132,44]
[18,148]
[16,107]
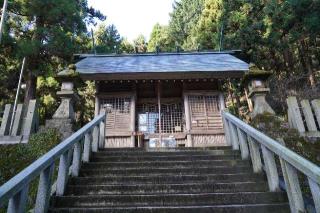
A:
[17,94]
[3,17]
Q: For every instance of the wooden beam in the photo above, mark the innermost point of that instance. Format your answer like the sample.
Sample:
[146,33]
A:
[187,117]
[159,107]
[163,75]
[133,116]
[97,100]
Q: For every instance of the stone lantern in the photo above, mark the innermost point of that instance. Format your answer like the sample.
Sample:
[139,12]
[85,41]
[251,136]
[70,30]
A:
[255,80]
[67,94]
[64,117]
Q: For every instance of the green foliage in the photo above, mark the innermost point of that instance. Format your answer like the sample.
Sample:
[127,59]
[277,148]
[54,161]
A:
[140,44]
[14,158]
[107,38]
[87,102]
[126,46]
[276,127]
[207,30]
[46,90]
[48,33]
[184,18]
[160,37]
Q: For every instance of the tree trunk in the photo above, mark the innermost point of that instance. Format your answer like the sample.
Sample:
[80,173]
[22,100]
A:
[249,102]
[287,55]
[31,85]
[306,63]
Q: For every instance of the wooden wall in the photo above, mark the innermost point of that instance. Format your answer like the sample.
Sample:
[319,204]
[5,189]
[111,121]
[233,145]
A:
[205,122]
[208,140]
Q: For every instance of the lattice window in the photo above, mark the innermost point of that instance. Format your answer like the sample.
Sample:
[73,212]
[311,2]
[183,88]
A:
[171,118]
[148,118]
[118,112]
[205,112]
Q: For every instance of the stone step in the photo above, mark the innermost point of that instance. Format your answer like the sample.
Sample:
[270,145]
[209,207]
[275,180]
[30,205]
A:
[164,170]
[174,149]
[168,164]
[177,178]
[245,208]
[185,188]
[170,199]
[165,153]
[106,158]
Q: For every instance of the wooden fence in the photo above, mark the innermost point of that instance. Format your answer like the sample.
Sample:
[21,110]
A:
[304,117]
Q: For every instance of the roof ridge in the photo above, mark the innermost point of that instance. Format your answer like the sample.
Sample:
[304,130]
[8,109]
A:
[158,54]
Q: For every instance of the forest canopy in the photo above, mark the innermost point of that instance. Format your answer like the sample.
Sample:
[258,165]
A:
[277,36]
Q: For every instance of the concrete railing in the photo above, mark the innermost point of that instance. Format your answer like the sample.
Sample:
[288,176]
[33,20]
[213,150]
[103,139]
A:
[304,118]
[250,141]
[70,153]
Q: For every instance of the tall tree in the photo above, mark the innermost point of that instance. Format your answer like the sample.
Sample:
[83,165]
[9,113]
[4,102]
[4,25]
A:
[160,37]
[140,44]
[46,33]
[108,39]
[207,30]
[126,46]
[185,15]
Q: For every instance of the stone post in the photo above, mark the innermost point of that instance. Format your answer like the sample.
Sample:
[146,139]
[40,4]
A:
[64,117]
[256,82]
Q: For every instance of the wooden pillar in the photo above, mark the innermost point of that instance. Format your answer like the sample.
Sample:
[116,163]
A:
[97,101]
[188,118]
[221,101]
[133,118]
[159,108]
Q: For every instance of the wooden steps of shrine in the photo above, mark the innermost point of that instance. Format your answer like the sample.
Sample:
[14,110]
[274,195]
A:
[169,180]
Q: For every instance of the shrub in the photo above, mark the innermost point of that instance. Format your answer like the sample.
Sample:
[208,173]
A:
[14,158]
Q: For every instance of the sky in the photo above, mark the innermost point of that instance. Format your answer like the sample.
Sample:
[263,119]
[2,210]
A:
[134,17]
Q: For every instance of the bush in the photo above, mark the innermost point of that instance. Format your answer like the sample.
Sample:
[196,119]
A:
[14,158]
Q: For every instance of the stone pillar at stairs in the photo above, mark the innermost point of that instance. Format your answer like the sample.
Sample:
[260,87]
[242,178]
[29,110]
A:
[64,118]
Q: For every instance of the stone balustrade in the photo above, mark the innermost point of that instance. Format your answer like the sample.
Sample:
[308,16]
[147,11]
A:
[263,152]
[70,153]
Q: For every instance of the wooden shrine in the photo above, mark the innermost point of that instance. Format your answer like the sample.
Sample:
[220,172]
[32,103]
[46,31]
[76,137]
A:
[159,97]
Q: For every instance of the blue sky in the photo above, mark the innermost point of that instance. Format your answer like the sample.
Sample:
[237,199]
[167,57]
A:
[134,17]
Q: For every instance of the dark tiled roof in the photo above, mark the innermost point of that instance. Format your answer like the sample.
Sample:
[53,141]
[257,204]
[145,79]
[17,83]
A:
[159,63]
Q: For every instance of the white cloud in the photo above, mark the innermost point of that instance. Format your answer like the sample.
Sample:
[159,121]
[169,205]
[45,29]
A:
[134,17]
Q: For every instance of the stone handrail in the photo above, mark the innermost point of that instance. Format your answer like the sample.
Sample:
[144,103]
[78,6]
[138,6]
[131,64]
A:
[242,136]
[71,152]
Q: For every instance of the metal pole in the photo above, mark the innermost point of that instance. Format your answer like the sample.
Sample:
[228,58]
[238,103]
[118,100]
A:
[17,94]
[3,17]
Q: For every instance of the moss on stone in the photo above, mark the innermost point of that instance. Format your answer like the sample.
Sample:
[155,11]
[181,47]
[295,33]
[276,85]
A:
[276,127]
[255,73]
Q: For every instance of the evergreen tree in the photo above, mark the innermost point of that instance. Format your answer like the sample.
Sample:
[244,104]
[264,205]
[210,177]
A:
[47,33]
[160,37]
[107,38]
[140,44]
[126,46]
[184,17]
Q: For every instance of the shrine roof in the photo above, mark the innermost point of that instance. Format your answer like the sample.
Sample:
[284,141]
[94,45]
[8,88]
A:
[160,63]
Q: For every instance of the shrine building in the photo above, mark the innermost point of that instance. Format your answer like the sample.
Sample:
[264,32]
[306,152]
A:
[153,98]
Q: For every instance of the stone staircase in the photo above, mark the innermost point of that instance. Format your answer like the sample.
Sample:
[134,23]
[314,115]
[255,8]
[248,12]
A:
[169,180]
